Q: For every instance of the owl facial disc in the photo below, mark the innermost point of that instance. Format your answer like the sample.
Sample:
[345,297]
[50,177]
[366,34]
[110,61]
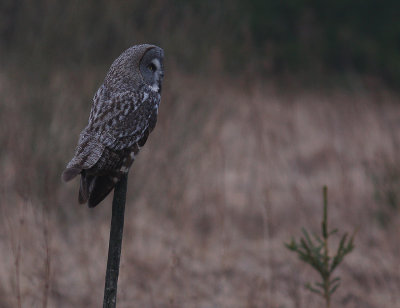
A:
[151,68]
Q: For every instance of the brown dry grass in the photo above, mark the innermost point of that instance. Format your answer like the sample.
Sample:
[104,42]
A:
[231,172]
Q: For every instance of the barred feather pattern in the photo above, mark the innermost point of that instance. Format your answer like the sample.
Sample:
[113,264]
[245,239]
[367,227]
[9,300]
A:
[120,122]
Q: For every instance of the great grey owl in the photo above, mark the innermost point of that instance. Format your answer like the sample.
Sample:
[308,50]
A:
[124,112]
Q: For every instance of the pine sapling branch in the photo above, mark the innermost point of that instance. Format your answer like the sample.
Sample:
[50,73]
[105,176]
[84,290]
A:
[315,252]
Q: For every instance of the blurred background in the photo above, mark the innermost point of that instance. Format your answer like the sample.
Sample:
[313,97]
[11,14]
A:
[263,103]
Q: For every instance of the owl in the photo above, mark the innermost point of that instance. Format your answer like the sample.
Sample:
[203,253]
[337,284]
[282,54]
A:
[123,113]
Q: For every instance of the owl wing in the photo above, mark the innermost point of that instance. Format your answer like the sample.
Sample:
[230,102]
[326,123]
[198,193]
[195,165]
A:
[128,118]
[87,153]
[115,124]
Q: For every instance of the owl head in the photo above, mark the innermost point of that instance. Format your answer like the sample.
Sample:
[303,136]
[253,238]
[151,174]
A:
[138,66]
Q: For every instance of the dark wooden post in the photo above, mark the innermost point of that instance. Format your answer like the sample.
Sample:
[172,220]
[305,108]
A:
[115,242]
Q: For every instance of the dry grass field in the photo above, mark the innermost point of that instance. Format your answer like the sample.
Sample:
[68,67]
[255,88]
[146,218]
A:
[233,169]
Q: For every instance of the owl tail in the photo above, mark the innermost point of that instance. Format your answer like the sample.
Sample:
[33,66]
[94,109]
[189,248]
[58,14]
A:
[94,189]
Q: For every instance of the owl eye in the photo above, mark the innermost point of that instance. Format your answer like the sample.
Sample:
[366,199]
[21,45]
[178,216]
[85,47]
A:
[151,67]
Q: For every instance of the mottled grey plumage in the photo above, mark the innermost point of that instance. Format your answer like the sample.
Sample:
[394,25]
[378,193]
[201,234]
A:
[124,112]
